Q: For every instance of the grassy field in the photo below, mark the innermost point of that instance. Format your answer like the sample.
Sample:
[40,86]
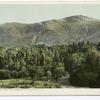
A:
[23,83]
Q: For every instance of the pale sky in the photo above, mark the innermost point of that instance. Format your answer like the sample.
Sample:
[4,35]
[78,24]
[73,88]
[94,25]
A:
[38,13]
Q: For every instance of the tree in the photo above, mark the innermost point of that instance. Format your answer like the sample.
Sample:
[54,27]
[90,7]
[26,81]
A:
[58,71]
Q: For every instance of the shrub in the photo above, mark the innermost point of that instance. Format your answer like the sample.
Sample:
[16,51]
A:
[38,84]
[23,74]
[16,83]
[14,74]
[5,74]
[83,79]
[46,84]
[24,86]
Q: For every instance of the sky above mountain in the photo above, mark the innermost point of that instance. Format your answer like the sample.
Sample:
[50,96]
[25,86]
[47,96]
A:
[38,13]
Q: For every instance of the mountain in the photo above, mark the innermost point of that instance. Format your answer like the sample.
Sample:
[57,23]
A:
[62,31]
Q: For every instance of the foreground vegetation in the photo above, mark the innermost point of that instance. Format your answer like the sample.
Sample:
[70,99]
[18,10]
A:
[23,83]
[49,66]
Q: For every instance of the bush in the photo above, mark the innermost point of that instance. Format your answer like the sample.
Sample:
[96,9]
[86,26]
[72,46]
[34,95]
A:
[38,84]
[5,74]
[23,74]
[83,79]
[96,83]
[14,74]
[16,83]
[24,86]
[46,84]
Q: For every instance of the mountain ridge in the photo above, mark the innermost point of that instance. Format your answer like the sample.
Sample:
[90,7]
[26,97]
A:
[57,31]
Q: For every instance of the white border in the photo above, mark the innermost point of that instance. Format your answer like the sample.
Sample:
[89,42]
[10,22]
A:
[50,92]
[49,2]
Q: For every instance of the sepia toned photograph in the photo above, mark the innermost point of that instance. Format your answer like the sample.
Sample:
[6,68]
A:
[49,46]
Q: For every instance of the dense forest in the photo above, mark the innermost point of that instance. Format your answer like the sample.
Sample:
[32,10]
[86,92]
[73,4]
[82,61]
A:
[79,63]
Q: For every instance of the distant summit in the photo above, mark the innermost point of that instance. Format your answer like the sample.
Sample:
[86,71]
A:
[80,18]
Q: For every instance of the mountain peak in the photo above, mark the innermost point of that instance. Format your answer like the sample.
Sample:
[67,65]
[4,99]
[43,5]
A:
[80,18]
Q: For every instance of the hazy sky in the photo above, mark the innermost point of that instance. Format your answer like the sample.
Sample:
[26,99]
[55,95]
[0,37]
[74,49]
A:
[37,13]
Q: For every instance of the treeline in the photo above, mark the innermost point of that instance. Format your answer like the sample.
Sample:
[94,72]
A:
[41,62]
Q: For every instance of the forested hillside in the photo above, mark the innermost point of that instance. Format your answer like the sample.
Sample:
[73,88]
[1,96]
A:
[78,63]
